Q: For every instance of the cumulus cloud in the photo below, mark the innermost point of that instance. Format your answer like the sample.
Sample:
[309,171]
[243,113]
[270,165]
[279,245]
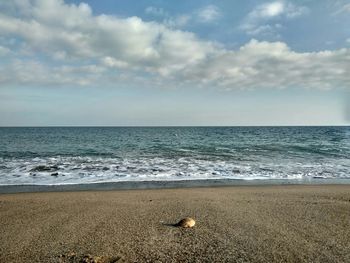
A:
[156,11]
[74,32]
[275,65]
[34,72]
[178,21]
[4,51]
[343,9]
[262,19]
[347,108]
[208,14]
[168,20]
[86,49]
[346,8]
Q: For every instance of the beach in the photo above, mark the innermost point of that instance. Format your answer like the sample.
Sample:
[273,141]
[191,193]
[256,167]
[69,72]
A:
[287,223]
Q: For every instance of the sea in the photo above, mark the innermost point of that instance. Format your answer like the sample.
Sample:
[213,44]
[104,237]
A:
[89,155]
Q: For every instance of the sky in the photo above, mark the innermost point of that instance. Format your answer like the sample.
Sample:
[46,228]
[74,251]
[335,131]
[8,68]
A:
[174,63]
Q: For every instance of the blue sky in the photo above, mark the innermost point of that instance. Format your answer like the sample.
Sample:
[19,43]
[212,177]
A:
[174,62]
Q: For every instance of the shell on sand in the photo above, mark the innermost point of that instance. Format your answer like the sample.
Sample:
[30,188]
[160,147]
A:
[186,222]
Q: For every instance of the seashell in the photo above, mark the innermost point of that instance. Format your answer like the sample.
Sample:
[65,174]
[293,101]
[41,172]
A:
[186,222]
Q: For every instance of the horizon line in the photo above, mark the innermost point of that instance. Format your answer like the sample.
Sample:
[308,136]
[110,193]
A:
[166,126]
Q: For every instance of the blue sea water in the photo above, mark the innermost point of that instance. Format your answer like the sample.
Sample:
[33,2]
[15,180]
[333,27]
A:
[79,155]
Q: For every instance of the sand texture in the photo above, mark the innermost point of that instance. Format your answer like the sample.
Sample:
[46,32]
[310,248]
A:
[233,224]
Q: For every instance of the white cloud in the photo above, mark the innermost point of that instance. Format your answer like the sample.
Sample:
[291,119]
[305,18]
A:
[275,65]
[345,8]
[167,19]
[177,21]
[107,50]
[262,20]
[33,72]
[79,34]
[277,8]
[269,10]
[156,11]
[208,14]
[4,51]
[112,62]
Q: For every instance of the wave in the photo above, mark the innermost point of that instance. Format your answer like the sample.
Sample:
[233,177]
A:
[82,169]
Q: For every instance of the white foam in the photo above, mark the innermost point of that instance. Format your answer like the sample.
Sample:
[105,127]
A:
[84,170]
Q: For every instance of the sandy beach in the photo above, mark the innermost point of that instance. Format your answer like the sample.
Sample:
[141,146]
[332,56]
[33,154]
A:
[307,223]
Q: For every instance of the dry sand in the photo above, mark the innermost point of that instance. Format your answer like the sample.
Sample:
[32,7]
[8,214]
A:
[233,224]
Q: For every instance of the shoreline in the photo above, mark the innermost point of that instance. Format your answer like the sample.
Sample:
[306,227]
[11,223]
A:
[177,184]
[280,223]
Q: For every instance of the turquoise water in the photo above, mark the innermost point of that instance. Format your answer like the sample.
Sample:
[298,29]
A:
[76,155]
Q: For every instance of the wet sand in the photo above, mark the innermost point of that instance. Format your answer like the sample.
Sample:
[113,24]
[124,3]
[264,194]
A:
[302,223]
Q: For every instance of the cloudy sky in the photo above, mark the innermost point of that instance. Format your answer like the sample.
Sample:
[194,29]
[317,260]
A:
[162,62]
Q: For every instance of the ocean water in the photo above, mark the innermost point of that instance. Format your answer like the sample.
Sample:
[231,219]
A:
[80,155]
